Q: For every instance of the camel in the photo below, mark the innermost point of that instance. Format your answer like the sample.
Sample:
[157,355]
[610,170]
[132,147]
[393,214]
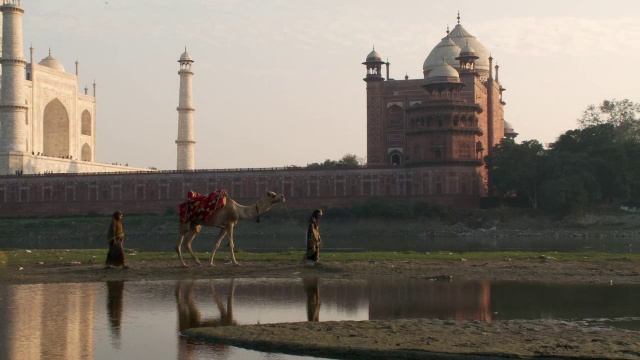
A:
[226,219]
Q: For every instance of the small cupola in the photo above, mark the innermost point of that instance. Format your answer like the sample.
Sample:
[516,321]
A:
[52,63]
[374,66]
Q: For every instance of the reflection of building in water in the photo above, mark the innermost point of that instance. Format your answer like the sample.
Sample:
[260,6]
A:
[312,289]
[435,300]
[49,322]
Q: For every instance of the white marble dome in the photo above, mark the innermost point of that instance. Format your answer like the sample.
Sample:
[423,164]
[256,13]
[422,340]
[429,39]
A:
[186,56]
[52,63]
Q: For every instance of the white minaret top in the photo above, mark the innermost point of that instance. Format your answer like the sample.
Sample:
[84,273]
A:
[186,142]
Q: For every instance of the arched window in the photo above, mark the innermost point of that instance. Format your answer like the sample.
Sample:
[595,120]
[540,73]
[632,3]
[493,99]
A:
[86,123]
[86,153]
[395,159]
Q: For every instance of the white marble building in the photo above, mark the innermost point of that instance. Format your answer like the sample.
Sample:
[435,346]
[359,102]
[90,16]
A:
[47,124]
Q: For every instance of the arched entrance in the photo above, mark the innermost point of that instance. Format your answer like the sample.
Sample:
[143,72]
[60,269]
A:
[55,132]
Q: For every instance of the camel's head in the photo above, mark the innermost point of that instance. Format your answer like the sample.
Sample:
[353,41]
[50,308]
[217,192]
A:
[275,198]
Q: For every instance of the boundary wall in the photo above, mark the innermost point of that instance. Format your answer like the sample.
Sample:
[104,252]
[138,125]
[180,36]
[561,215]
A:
[162,191]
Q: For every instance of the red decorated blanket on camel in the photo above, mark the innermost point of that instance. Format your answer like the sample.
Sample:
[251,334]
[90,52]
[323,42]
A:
[202,207]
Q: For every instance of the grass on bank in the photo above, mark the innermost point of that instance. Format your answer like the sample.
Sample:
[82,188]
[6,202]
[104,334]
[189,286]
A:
[22,257]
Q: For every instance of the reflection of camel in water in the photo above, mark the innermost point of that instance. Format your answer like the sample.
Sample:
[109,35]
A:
[312,288]
[188,313]
[226,219]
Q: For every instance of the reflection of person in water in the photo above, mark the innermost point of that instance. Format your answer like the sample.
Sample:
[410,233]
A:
[115,290]
[312,288]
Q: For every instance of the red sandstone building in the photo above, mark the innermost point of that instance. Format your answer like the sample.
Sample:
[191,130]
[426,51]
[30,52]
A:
[444,123]
[425,142]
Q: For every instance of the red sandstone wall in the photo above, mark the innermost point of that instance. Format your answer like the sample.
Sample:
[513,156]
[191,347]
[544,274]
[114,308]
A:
[80,194]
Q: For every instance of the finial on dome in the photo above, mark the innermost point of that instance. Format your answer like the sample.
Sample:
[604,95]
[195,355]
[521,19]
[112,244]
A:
[458,16]
[447,29]
[49,51]
[406,76]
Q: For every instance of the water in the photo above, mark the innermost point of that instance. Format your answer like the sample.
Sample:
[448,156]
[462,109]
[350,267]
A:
[128,320]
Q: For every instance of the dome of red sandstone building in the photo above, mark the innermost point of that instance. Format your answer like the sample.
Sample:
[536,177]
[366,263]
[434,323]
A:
[443,72]
[374,56]
[452,45]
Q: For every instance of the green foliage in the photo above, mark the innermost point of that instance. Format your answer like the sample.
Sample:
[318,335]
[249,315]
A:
[383,208]
[583,169]
[375,207]
[515,169]
[429,211]
[348,160]
[171,210]
[623,115]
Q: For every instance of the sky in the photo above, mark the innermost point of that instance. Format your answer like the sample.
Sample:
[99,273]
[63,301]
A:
[279,82]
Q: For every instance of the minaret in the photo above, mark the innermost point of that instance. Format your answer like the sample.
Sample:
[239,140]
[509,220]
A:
[490,119]
[376,155]
[186,142]
[12,103]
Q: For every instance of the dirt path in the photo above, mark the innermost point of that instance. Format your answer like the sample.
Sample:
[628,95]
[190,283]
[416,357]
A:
[539,269]
[401,339]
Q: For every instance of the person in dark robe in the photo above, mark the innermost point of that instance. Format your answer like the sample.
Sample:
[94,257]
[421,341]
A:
[115,237]
[314,241]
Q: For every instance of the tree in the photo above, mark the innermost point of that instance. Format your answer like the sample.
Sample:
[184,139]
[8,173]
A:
[348,160]
[351,160]
[515,168]
[569,185]
[624,115]
[607,160]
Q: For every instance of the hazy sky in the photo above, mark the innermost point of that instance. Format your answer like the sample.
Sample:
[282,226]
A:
[279,82]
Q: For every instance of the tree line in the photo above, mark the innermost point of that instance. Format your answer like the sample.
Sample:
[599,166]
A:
[596,164]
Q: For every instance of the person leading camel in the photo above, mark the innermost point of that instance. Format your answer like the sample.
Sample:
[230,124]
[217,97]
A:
[115,237]
[313,238]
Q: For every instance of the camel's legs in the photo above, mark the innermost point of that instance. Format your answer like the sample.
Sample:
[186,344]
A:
[221,235]
[233,256]
[178,249]
[190,236]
